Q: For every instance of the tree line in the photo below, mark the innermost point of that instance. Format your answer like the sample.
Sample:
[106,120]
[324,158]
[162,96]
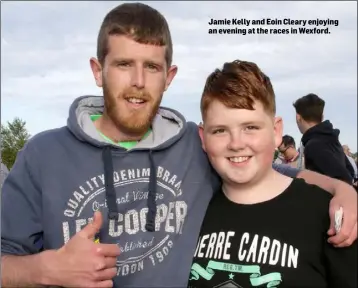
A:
[14,136]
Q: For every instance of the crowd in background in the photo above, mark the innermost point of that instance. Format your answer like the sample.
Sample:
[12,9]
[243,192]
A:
[320,149]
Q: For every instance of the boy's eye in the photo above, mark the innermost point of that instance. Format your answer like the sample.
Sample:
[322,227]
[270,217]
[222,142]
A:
[252,127]
[216,131]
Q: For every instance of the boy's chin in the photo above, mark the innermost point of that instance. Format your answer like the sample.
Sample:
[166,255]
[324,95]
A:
[242,180]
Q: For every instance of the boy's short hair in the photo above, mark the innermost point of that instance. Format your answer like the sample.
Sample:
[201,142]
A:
[138,21]
[310,108]
[238,85]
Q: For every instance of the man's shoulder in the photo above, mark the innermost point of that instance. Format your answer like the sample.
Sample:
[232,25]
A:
[192,131]
[199,154]
[315,145]
[314,142]
[192,127]
[48,137]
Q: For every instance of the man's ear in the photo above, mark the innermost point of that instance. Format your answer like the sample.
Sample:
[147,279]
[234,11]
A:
[278,130]
[172,71]
[201,134]
[96,68]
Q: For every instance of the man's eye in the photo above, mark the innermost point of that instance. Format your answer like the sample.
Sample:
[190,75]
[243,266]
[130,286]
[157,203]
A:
[123,64]
[152,67]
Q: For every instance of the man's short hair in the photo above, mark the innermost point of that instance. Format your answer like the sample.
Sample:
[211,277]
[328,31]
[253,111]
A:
[139,22]
[310,108]
[238,85]
[287,140]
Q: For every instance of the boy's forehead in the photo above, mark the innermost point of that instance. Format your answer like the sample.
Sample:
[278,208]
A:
[218,112]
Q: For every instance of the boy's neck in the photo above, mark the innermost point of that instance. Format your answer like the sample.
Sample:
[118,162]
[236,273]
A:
[268,187]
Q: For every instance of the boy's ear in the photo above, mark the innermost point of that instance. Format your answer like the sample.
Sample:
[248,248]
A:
[201,134]
[278,130]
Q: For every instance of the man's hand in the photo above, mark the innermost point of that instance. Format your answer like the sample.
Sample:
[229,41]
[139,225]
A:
[83,263]
[345,196]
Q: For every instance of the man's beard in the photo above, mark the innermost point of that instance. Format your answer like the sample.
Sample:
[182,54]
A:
[132,122]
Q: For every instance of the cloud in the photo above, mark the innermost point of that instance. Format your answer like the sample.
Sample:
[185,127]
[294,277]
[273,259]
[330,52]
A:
[45,57]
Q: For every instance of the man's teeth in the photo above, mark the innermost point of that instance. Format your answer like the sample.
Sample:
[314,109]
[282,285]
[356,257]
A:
[238,159]
[135,100]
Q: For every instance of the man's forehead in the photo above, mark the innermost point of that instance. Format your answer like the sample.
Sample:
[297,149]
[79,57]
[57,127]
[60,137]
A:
[123,46]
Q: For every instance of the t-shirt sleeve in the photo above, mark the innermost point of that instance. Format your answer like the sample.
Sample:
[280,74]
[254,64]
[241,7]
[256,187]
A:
[341,264]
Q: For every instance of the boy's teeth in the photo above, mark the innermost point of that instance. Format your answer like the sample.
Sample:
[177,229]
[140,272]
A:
[135,100]
[238,159]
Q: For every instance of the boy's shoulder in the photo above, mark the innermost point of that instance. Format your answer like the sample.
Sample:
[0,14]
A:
[310,195]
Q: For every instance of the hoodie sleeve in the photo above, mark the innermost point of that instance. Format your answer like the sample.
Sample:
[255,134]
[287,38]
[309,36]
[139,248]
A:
[286,170]
[21,227]
[323,160]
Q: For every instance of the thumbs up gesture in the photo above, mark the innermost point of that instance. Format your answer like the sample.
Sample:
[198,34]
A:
[83,263]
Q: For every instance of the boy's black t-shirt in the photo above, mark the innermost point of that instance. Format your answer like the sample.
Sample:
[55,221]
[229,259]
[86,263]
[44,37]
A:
[278,243]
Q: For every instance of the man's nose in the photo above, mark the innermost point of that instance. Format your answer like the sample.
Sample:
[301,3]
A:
[138,77]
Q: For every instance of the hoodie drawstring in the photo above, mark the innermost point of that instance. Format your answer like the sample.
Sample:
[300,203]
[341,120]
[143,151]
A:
[111,193]
[152,207]
[108,180]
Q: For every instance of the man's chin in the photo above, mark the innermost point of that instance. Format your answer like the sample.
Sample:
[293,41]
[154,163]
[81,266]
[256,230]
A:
[133,128]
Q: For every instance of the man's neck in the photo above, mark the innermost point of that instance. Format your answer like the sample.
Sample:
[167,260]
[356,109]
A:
[107,127]
[266,188]
[309,125]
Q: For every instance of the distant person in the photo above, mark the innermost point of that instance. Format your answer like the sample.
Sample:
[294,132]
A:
[352,162]
[3,173]
[322,150]
[290,154]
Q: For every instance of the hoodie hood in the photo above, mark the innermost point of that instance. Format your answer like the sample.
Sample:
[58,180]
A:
[168,127]
[323,131]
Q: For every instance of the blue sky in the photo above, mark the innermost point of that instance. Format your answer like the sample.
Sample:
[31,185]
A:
[46,48]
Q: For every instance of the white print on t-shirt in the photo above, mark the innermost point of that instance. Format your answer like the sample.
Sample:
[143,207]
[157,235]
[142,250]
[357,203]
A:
[252,249]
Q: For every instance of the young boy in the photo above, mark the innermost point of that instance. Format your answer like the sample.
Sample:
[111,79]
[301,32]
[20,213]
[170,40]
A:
[256,229]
